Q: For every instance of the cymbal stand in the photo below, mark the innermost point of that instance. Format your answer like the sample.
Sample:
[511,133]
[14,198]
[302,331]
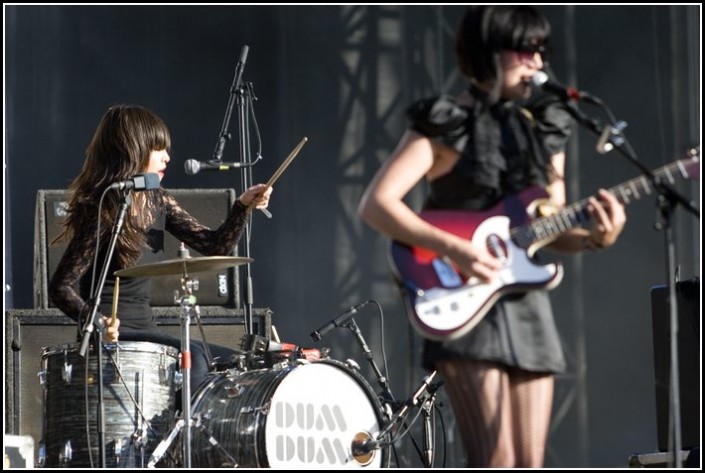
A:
[187,303]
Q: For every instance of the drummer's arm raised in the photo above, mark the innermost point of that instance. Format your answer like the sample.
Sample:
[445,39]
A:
[186,228]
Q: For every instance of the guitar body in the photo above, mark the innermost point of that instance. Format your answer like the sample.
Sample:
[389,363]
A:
[443,303]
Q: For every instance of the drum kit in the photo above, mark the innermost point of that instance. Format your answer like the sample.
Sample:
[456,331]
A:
[273,405]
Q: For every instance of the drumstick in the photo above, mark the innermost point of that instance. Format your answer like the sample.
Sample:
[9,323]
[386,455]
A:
[116,292]
[286,162]
[283,166]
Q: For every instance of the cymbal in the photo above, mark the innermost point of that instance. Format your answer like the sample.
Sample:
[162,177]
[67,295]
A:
[183,265]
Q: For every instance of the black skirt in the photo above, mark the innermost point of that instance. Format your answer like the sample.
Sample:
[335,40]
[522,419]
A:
[519,331]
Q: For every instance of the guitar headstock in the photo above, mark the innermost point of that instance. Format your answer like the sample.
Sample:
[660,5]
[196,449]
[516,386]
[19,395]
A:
[691,164]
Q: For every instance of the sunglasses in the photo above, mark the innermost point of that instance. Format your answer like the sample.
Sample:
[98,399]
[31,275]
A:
[531,47]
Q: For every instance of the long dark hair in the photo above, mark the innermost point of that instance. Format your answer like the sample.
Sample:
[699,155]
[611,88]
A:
[120,148]
[486,30]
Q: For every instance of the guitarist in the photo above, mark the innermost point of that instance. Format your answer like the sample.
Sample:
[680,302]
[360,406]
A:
[474,150]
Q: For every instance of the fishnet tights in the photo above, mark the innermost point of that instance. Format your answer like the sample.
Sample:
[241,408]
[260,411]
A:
[503,413]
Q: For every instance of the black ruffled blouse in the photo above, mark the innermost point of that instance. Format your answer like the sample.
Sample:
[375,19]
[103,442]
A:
[503,150]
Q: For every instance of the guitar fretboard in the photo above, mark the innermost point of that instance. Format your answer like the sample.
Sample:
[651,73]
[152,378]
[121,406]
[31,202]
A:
[549,227]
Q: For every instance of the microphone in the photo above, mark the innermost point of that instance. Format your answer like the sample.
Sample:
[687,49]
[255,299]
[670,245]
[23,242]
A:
[191,166]
[240,67]
[540,80]
[316,335]
[363,447]
[139,182]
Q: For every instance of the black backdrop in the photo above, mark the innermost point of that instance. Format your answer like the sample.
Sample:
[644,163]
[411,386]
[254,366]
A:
[341,75]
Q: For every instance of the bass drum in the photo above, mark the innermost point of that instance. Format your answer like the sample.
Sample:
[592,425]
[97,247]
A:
[138,400]
[296,416]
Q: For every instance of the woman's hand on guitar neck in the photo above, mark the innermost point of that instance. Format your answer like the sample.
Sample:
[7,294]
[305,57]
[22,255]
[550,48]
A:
[608,219]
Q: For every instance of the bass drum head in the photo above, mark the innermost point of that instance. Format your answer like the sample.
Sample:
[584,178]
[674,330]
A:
[303,416]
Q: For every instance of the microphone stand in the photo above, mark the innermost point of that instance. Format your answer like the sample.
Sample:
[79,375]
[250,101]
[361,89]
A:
[241,93]
[363,447]
[224,133]
[611,137]
[94,321]
[381,379]
[428,443]
[244,98]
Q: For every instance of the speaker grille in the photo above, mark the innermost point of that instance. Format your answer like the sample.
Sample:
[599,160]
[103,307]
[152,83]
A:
[688,302]
[209,206]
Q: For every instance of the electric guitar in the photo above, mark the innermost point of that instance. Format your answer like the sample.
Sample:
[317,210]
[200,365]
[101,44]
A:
[444,304]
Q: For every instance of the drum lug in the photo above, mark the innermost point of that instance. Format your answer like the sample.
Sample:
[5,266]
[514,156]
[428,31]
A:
[234,390]
[178,379]
[138,439]
[117,450]
[352,364]
[41,455]
[163,378]
[66,456]
[42,375]
[66,373]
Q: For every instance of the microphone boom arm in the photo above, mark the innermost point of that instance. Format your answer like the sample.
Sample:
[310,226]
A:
[237,80]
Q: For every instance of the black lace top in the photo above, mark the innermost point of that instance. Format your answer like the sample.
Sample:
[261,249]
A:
[503,149]
[76,265]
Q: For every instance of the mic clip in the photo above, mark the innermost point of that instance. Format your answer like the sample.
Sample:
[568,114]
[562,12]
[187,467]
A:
[610,137]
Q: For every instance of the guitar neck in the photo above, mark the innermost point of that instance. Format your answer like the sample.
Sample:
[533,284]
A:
[550,227]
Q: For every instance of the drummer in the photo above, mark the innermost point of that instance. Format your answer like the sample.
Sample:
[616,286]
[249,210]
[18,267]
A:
[130,140]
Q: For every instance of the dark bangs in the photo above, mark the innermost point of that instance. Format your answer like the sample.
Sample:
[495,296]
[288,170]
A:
[154,132]
[485,30]
[522,27]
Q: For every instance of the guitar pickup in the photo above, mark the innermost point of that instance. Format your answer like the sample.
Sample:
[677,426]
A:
[447,275]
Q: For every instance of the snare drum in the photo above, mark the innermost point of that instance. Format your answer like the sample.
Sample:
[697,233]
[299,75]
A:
[295,416]
[138,399]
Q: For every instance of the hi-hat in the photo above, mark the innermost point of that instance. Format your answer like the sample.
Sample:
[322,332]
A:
[183,266]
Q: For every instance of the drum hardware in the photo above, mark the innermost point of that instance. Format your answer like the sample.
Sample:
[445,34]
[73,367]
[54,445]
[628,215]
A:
[66,372]
[294,417]
[428,426]
[184,264]
[424,396]
[66,455]
[138,435]
[187,303]
[346,320]
[132,434]
[161,450]
[117,450]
